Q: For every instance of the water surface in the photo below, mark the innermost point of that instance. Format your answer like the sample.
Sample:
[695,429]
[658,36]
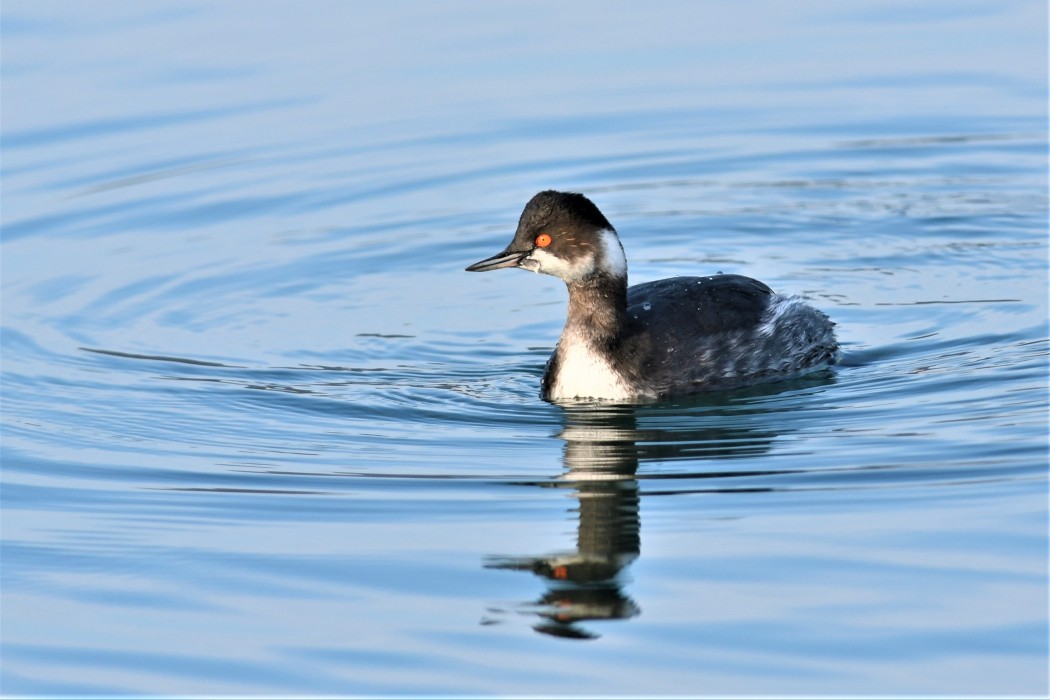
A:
[262,435]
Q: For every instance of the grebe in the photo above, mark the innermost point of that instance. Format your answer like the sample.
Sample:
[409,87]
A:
[674,336]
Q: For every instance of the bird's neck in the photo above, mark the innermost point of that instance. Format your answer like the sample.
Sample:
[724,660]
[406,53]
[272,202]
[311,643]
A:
[598,308]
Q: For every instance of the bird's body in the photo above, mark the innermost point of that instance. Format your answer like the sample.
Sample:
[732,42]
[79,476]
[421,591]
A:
[669,337]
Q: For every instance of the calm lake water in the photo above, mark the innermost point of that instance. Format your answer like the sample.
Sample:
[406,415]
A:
[263,436]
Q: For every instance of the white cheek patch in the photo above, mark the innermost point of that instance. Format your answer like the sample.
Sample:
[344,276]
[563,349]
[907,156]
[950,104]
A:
[609,259]
[614,262]
[542,261]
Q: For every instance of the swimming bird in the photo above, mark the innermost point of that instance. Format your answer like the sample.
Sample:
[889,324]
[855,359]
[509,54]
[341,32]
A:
[673,336]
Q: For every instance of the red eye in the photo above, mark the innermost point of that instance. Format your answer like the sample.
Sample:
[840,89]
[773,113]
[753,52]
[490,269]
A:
[543,240]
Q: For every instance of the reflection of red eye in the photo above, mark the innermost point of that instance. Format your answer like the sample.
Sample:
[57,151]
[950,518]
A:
[543,240]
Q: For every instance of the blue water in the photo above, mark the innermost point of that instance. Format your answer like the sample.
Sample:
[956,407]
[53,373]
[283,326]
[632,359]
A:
[263,436]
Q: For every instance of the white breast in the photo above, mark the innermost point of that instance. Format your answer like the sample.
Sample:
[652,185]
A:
[584,374]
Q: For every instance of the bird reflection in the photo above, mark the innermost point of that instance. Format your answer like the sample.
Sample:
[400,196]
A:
[586,584]
[601,457]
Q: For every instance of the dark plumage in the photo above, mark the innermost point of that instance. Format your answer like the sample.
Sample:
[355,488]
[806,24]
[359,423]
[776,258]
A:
[671,336]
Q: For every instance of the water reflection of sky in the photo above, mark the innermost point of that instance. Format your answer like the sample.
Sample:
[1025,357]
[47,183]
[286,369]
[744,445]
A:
[252,401]
[386,67]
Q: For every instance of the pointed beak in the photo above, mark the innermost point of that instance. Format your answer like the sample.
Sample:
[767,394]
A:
[508,258]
